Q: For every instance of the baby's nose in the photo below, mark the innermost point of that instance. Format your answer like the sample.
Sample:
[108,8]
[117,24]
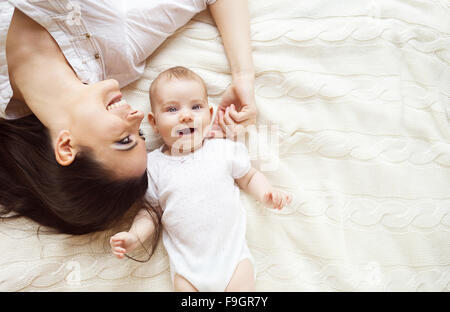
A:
[185,116]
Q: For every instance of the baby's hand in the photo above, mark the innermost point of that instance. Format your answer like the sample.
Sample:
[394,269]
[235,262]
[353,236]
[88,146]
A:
[122,243]
[277,199]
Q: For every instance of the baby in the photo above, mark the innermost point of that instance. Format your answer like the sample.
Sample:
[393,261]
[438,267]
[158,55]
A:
[192,178]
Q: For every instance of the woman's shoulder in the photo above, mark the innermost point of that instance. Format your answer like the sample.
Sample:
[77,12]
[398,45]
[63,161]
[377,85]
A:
[6,93]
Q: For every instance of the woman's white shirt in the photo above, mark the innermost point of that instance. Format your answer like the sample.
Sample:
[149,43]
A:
[100,39]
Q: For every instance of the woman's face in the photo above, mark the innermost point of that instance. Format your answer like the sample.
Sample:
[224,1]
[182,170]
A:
[110,127]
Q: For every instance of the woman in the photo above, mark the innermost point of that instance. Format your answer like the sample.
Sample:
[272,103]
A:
[69,158]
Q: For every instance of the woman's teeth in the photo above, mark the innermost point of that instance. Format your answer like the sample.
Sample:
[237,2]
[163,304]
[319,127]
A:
[115,105]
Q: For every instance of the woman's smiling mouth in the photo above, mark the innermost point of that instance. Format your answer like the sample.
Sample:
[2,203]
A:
[116,104]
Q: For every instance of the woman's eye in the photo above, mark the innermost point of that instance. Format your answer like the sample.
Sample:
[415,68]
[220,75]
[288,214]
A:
[141,134]
[125,141]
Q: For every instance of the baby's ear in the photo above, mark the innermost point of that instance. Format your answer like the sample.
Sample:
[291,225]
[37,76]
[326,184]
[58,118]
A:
[152,122]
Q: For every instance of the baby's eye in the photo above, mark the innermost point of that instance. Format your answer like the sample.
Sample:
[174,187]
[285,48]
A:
[171,109]
[196,107]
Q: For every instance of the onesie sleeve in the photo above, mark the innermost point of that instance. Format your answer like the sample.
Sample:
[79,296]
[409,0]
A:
[152,194]
[152,189]
[240,160]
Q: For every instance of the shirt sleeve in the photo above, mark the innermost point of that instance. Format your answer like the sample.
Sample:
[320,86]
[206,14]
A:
[204,3]
[240,164]
[149,23]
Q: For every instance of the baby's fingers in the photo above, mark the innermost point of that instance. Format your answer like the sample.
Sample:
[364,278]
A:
[119,252]
[276,200]
[118,243]
[226,117]
[119,255]
[285,201]
[115,240]
[267,198]
[289,199]
[282,200]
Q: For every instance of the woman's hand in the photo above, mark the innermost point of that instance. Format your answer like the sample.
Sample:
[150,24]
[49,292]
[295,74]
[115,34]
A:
[122,243]
[237,109]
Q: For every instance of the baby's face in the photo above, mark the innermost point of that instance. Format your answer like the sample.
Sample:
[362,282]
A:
[181,114]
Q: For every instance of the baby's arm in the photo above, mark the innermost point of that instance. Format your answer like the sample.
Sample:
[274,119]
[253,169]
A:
[141,229]
[257,185]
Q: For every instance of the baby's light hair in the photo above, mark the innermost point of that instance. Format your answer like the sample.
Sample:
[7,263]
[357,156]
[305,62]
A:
[177,72]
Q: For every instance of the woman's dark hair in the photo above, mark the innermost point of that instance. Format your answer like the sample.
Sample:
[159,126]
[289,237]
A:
[76,199]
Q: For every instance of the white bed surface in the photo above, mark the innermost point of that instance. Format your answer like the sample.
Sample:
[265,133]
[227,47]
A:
[360,93]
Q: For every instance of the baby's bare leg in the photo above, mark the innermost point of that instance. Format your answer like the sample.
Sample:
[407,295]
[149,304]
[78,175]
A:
[243,278]
[182,285]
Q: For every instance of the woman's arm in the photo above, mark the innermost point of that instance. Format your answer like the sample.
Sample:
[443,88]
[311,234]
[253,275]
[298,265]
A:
[233,21]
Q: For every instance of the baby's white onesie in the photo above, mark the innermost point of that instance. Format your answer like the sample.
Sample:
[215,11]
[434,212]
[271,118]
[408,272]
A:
[204,224]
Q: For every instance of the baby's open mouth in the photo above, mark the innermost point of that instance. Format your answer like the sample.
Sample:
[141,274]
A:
[186,131]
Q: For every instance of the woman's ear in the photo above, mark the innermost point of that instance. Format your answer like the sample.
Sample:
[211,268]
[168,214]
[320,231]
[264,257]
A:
[152,122]
[64,151]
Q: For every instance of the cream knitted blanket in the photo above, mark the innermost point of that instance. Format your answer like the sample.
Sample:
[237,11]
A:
[357,95]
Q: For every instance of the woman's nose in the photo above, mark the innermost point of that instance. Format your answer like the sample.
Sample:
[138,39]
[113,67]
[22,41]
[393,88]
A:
[112,84]
[135,116]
